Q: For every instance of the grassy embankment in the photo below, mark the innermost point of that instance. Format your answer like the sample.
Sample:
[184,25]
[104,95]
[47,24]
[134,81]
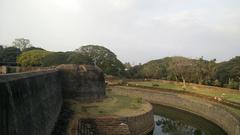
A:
[227,96]
[113,105]
[223,93]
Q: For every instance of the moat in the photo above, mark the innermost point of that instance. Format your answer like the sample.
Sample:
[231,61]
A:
[170,121]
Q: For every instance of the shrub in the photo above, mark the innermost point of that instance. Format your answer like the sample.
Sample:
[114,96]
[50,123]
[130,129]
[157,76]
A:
[155,85]
[32,58]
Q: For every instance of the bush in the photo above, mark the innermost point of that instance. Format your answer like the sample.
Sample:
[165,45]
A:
[216,83]
[232,84]
[155,85]
[123,82]
[55,59]
[32,58]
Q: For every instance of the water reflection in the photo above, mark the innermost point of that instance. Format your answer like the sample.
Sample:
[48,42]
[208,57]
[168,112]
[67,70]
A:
[170,127]
[170,121]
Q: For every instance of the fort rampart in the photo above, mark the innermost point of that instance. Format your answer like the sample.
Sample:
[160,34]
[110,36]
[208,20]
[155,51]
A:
[30,102]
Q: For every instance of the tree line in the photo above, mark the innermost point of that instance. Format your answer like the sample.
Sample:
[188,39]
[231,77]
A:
[24,53]
[200,71]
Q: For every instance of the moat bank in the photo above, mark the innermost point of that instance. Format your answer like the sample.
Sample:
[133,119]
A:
[211,111]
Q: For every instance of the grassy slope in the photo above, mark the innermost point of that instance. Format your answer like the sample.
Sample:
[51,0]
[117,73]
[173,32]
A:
[224,93]
[227,94]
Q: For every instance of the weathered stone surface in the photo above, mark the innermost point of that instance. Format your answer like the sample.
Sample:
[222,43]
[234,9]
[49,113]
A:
[29,103]
[82,82]
[135,125]
[140,124]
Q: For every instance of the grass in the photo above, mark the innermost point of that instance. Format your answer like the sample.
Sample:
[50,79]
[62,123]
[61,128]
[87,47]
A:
[223,93]
[114,105]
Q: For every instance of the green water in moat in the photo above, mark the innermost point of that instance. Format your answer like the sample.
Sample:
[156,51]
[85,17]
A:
[169,121]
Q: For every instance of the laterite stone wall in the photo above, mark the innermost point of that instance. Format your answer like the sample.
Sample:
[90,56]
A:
[29,103]
[82,82]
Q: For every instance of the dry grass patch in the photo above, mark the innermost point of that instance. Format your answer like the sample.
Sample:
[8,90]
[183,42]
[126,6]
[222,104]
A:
[113,105]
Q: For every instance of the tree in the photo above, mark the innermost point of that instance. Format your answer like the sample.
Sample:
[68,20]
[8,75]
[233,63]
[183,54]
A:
[205,71]
[21,43]
[78,58]
[9,54]
[228,72]
[32,58]
[1,47]
[200,70]
[54,59]
[211,70]
[104,58]
[57,58]
[1,50]
[154,69]
[127,66]
[133,72]
[32,48]
[182,68]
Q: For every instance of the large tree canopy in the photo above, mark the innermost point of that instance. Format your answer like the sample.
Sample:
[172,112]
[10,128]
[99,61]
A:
[104,58]
[32,48]
[228,73]
[32,58]
[78,58]
[57,58]
[54,59]
[154,69]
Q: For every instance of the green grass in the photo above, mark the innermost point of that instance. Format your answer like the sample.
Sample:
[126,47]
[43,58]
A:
[114,105]
[226,94]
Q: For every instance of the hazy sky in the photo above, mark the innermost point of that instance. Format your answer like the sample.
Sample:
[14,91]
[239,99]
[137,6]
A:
[136,30]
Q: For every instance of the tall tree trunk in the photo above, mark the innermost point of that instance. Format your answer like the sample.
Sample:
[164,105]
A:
[184,82]
[176,78]
[200,81]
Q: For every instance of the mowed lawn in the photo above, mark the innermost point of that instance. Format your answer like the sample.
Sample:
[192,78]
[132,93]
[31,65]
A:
[223,93]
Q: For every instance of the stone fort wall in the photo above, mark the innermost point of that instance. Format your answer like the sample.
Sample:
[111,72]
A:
[82,82]
[17,69]
[29,103]
[141,124]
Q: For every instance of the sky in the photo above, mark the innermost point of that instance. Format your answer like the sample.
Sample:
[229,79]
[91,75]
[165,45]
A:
[135,30]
